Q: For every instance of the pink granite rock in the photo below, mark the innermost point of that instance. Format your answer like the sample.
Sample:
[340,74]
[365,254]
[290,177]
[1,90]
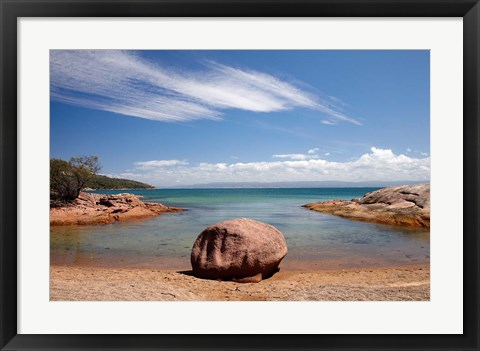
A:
[407,205]
[90,209]
[240,249]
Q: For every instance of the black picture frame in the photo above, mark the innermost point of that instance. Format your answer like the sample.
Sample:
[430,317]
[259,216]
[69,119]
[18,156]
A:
[11,10]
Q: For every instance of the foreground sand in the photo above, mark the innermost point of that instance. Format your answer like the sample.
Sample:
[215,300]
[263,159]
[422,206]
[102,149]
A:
[366,284]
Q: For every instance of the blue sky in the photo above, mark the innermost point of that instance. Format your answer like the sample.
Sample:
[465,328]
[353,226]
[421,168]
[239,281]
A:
[185,117]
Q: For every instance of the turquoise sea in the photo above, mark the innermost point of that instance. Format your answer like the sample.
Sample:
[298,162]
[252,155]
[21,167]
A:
[315,240]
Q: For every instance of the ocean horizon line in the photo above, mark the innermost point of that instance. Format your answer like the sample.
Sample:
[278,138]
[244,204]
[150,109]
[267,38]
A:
[288,185]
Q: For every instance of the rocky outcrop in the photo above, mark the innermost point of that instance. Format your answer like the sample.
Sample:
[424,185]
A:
[101,209]
[240,249]
[407,205]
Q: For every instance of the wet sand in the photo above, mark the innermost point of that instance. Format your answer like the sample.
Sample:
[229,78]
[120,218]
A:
[400,283]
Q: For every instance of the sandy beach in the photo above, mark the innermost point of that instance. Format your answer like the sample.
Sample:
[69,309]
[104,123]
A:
[400,283]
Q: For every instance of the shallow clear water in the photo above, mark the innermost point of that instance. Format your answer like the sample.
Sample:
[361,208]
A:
[315,240]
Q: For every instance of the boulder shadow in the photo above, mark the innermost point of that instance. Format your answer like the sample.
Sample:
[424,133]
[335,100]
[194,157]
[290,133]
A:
[236,280]
[190,273]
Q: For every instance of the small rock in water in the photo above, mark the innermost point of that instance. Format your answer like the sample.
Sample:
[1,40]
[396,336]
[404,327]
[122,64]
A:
[241,249]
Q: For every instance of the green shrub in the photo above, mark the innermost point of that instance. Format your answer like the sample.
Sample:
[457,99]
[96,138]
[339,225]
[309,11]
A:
[67,179]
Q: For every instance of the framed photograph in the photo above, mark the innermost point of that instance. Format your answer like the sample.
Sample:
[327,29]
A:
[221,175]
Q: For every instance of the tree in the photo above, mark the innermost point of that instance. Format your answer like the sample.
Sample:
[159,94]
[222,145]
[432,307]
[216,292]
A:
[67,179]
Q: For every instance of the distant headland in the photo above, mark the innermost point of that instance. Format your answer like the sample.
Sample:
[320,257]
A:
[102,182]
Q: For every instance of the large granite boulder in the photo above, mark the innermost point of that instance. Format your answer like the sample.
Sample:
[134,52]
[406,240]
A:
[239,249]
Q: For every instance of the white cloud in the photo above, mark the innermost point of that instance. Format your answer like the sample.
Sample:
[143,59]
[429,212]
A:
[328,122]
[409,150]
[378,164]
[327,153]
[149,165]
[293,156]
[125,83]
[311,154]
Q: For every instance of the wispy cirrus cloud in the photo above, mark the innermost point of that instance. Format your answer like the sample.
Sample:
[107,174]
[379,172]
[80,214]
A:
[328,122]
[378,164]
[126,83]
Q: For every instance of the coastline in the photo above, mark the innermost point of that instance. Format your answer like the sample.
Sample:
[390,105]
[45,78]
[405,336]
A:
[395,283]
[90,208]
[407,205]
